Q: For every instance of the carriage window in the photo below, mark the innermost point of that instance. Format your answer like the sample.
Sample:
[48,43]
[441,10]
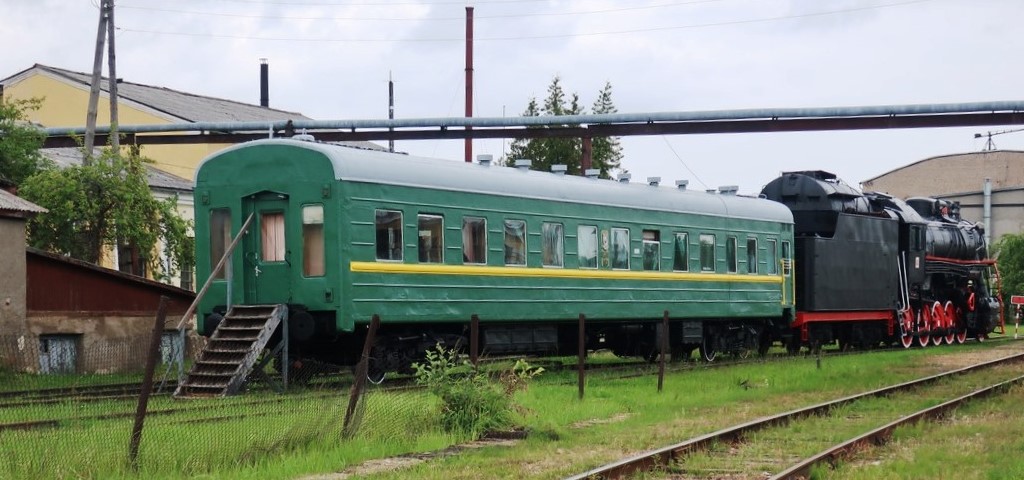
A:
[652,250]
[389,235]
[786,262]
[751,255]
[707,252]
[680,254]
[474,240]
[620,248]
[431,238]
[220,236]
[313,240]
[272,232]
[771,263]
[515,242]
[730,253]
[586,238]
[552,247]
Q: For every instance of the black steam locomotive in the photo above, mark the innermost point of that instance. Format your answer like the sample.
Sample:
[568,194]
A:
[871,268]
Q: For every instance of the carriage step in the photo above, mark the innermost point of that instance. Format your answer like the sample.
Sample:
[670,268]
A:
[229,356]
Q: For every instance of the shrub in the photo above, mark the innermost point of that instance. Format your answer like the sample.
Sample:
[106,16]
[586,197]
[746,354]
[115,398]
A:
[471,402]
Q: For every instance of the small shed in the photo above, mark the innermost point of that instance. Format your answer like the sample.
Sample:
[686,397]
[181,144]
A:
[90,319]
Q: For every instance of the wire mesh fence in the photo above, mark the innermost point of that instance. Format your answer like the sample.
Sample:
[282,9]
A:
[67,409]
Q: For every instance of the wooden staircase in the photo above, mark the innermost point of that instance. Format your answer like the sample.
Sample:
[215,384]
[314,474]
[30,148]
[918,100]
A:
[232,351]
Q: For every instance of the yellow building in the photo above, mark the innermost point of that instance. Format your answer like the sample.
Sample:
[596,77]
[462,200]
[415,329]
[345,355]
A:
[65,100]
[65,97]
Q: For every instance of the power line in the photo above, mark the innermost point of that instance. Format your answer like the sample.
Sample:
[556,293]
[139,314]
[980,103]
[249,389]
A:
[388,19]
[687,167]
[532,37]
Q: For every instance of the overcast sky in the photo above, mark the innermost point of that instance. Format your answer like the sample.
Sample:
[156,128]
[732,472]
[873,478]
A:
[331,59]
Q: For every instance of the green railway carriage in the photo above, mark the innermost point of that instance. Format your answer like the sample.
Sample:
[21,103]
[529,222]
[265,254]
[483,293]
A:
[341,234]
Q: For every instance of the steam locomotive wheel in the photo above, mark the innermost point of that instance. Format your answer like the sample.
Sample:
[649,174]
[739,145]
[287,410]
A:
[938,322]
[924,326]
[961,327]
[907,328]
[951,321]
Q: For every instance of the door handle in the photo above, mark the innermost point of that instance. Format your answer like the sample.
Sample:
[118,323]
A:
[257,269]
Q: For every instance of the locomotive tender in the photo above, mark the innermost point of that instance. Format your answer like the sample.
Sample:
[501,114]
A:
[340,234]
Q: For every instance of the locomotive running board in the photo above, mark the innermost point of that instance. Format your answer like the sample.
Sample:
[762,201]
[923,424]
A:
[232,351]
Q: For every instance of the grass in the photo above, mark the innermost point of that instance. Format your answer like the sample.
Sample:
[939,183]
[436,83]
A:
[300,433]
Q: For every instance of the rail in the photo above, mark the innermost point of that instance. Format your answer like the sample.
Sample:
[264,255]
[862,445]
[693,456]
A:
[224,259]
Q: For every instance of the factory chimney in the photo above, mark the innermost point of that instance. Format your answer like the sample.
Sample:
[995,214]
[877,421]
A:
[264,83]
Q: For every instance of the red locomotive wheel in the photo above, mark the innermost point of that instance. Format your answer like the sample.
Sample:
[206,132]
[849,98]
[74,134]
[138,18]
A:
[938,323]
[924,326]
[952,322]
[907,328]
[961,327]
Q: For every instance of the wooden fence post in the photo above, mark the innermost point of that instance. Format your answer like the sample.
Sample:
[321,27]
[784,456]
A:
[360,381]
[147,384]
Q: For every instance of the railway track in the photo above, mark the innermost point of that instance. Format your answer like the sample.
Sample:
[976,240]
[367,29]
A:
[745,444]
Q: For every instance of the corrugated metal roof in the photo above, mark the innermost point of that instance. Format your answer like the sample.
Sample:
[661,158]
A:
[183,106]
[69,156]
[186,106]
[13,205]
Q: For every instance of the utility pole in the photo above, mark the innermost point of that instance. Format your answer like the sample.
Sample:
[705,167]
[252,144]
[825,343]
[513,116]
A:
[115,143]
[469,80]
[94,93]
[391,110]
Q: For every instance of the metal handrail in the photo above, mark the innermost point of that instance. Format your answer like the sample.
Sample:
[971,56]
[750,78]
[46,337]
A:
[217,269]
[199,296]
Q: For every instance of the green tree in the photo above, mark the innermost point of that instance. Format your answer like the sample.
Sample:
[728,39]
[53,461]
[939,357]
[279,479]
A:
[606,152]
[102,205]
[19,141]
[1009,252]
[545,152]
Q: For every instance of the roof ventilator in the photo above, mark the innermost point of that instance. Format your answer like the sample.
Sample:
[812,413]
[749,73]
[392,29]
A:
[653,181]
[592,172]
[305,137]
[728,189]
[681,184]
[485,159]
[559,169]
[523,164]
[624,178]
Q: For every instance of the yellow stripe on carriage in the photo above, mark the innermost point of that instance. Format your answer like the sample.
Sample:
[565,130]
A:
[486,271]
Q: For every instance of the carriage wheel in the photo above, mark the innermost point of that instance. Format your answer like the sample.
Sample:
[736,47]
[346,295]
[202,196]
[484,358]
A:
[951,322]
[924,325]
[707,349]
[938,321]
[907,328]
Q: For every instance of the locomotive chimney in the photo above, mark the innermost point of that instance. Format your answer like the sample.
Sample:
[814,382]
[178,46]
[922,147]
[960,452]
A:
[728,189]
[624,178]
[653,181]
[523,164]
[681,184]
[558,169]
[592,172]
[264,83]
[485,159]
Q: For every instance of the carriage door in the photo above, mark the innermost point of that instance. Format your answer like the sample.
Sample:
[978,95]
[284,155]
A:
[268,249]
